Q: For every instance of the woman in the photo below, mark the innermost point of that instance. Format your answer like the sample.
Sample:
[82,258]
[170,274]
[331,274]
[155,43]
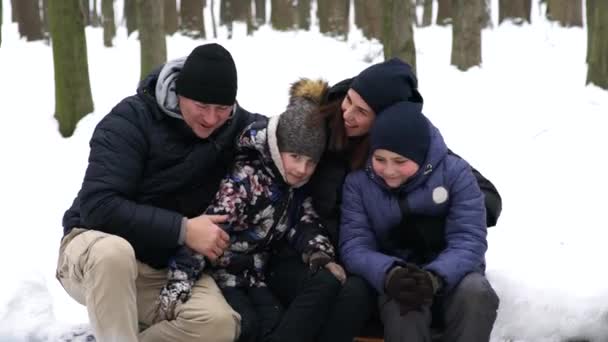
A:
[350,111]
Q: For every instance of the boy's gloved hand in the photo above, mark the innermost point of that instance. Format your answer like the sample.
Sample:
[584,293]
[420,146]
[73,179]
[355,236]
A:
[175,292]
[410,286]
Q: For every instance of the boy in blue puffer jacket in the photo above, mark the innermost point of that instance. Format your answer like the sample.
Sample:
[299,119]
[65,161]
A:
[409,177]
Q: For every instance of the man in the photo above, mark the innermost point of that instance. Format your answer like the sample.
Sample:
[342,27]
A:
[156,161]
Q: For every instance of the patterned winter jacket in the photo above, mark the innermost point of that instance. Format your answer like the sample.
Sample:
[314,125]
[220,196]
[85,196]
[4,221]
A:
[372,213]
[263,210]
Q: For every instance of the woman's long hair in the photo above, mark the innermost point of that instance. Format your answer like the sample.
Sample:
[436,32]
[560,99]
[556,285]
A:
[356,149]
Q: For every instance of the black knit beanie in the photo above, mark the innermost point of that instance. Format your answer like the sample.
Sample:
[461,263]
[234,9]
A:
[402,129]
[208,76]
[297,131]
[386,83]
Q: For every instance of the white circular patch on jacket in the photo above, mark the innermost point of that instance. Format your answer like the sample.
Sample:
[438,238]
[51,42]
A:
[440,195]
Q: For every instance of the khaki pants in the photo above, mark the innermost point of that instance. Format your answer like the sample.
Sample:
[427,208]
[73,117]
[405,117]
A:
[99,270]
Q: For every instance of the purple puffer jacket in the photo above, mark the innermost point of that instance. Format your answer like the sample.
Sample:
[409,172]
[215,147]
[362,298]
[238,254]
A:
[445,187]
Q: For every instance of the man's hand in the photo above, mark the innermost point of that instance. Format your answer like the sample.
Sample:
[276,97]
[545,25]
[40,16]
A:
[204,236]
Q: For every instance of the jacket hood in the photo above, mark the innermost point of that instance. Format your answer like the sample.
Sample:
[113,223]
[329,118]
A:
[436,154]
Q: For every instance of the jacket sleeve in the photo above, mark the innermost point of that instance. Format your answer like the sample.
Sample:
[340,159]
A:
[107,198]
[358,245]
[465,230]
[308,235]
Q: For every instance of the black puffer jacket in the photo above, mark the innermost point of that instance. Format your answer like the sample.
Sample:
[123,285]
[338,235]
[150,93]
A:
[147,170]
[328,179]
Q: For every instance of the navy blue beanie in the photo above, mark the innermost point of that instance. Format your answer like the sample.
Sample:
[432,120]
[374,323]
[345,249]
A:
[386,83]
[402,129]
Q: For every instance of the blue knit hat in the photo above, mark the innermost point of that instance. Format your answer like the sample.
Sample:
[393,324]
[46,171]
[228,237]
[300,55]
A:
[386,83]
[402,129]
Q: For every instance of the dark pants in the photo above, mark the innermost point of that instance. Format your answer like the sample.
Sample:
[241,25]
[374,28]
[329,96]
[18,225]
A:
[468,314]
[260,311]
[319,308]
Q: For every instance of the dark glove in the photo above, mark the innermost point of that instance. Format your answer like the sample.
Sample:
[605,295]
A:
[318,260]
[428,282]
[410,287]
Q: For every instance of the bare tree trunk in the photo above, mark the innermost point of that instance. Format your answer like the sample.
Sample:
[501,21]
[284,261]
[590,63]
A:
[427,15]
[304,14]
[260,12]
[95,15]
[466,34]
[171,21]
[398,32]
[109,26]
[226,15]
[333,17]
[46,30]
[370,18]
[73,98]
[130,13]
[86,11]
[153,45]
[213,25]
[486,14]
[282,15]
[29,24]
[597,37]
[566,12]
[517,11]
[444,12]
[191,12]
[14,11]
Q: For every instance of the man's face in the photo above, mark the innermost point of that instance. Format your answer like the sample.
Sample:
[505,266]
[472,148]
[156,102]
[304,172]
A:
[203,118]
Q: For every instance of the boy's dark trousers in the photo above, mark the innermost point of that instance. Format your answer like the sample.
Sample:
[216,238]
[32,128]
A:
[260,311]
[319,308]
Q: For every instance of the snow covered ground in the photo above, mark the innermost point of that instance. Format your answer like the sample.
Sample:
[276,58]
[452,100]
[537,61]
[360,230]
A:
[524,118]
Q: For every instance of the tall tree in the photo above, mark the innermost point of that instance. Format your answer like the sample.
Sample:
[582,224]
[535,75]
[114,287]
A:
[368,17]
[466,33]
[86,11]
[29,23]
[14,11]
[566,12]
[130,14]
[304,14]
[73,98]
[486,14]
[109,27]
[227,16]
[282,14]
[45,19]
[398,33]
[260,12]
[193,24]
[95,15]
[444,12]
[213,25]
[517,11]
[333,17]
[153,45]
[171,21]
[427,14]
[597,38]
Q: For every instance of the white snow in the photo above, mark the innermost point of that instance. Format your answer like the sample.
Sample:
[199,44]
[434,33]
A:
[524,118]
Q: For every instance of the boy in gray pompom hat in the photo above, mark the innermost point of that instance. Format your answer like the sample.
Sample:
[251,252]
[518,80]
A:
[266,206]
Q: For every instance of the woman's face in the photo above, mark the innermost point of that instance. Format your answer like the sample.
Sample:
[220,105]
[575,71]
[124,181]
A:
[357,114]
